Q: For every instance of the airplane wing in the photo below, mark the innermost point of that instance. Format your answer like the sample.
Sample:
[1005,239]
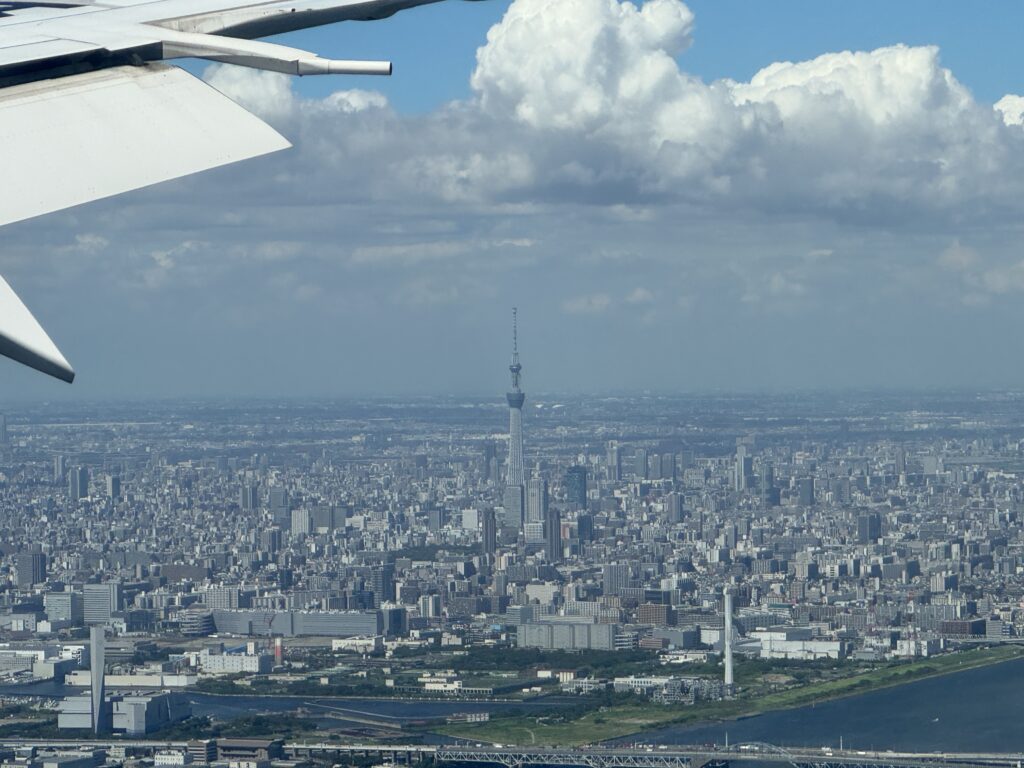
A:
[89,108]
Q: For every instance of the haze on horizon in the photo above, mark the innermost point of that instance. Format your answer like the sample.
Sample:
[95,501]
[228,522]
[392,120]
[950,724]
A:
[670,207]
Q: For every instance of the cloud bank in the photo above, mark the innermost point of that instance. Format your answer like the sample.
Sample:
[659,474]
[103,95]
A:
[861,200]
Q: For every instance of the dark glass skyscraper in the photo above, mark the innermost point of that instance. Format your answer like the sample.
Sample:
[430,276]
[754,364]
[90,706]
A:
[576,486]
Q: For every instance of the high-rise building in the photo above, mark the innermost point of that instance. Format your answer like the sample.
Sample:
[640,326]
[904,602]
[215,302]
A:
[279,504]
[101,601]
[382,584]
[613,462]
[489,463]
[668,466]
[537,500]
[585,527]
[673,508]
[489,531]
[430,606]
[4,438]
[805,491]
[78,484]
[30,568]
[226,598]
[64,606]
[640,464]
[744,468]
[271,540]
[58,468]
[249,496]
[553,535]
[576,486]
[615,578]
[869,528]
[302,522]
[113,487]
[516,478]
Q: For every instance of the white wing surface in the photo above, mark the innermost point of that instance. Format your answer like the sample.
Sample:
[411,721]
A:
[101,133]
[24,340]
[88,110]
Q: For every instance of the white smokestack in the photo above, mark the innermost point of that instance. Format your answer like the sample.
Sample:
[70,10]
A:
[727,643]
[97,666]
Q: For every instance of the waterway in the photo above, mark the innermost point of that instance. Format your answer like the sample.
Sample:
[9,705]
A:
[977,710]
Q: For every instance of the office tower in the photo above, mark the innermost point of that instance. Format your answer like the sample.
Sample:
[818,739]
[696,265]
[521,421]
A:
[4,439]
[78,484]
[271,540]
[668,466]
[435,518]
[744,468]
[489,532]
[58,468]
[382,584]
[327,518]
[901,461]
[537,500]
[30,568]
[640,464]
[64,606]
[585,527]
[653,466]
[727,641]
[101,601]
[576,486]
[113,487]
[516,478]
[430,606]
[97,666]
[614,578]
[279,504]
[302,522]
[613,462]
[248,498]
[673,508]
[805,491]
[767,481]
[869,528]
[489,463]
[553,535]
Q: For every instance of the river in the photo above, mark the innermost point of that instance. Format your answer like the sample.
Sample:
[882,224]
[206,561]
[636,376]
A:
[977,710]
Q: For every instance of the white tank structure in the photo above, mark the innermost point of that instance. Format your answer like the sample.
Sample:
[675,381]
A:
[727,641]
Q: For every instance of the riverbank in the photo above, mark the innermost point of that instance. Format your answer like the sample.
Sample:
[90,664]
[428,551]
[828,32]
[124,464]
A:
[628,719]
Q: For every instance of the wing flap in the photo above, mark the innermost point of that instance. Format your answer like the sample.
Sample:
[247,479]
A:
[90,136]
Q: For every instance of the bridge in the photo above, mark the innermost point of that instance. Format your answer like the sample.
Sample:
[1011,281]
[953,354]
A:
[635,756]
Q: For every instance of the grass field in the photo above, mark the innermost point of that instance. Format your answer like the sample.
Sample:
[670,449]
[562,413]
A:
[623,720]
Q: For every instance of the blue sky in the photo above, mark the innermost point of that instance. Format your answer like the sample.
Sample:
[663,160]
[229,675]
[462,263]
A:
[434,47]
[849,220]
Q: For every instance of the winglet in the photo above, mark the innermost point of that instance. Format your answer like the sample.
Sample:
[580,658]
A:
[22,338]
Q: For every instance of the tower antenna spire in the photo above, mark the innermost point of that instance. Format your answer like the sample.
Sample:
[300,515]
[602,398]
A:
[515,334]
[515,369]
